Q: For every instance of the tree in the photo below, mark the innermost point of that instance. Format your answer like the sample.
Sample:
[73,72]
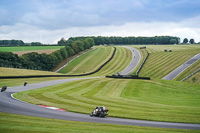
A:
[173,41]
[36,44]
[91,41]
[185,40]
[192,41]
[70,50]
[62,42]
[63,53]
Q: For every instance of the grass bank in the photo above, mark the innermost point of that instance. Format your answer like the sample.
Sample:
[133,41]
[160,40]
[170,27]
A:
[23,72]
[120,61]
[21,124]
[157,100]
[88,62]
[161,63]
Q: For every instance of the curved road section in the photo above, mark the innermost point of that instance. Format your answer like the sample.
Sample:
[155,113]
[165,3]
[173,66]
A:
[181,68]
[134,62]
[14,106]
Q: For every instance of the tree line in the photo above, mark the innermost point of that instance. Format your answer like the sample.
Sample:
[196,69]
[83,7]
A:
[185,41]
[100,40]
[44,61]
[11,43]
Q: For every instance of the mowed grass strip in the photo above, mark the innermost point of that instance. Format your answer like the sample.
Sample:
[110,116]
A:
[194,79]
[23,72]
[189,70]
[21,124]
[20,81]
[89,62]
[120,61]
[157,100]
[29,48]
[161,63]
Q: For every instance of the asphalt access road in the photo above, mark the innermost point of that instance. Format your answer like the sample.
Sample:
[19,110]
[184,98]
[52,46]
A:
[134,62]
[181,68]
[14,106]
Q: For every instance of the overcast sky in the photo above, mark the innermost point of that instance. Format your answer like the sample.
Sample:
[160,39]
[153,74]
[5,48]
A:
[47,21]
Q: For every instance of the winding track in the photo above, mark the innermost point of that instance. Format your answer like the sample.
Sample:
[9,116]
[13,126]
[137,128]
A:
[181,68]
[14,106]
[134,62]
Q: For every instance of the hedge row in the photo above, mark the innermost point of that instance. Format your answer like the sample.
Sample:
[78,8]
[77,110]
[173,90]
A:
[44,61]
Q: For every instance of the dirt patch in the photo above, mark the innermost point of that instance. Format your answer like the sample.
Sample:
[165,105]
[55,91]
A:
[20,53]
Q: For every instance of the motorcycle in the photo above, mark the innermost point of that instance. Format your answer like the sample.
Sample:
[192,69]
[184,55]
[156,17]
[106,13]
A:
[3,88]
[99,112]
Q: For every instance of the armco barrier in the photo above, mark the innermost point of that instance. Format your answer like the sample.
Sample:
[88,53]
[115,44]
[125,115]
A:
[127,77]
[190,75]
[39,76]
[137,73]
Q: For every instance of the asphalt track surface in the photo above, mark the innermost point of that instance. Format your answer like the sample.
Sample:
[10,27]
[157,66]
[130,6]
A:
[181,68]
[134,62]
[14,106]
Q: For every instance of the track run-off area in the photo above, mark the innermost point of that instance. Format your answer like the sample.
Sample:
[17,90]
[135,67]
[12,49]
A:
[146,98]
[11,105]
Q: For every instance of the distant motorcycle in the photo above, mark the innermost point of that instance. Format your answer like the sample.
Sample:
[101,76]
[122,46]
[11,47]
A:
[3,88]
[99,111]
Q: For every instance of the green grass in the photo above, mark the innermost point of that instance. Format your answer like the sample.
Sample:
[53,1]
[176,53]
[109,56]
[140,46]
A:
[120,61]
[20,81]
[88,62]
[29,48]
[10,123]
[188,71]
[94,59]
[156,100]
[194,79]
[23,72]
[161,63]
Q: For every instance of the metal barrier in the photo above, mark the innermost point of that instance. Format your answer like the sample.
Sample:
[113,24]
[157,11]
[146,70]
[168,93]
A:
[190,75]
[137,73]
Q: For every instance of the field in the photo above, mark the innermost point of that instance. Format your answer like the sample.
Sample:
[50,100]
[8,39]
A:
[189,70]
[154,100]
[21,124]
[158,100]
[91,61]
[29,48]
[194,79]
[23,72]
[119,62]
[88,62]
[161,63]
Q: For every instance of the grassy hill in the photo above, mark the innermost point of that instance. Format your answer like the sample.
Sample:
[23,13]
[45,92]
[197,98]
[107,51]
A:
[94,59]
[158,100]
[120,61]
[88,62]
[161,63]
[10,123]
[188,71]
[23,72]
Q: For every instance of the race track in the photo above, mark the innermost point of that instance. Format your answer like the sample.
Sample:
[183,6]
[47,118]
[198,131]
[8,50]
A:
[14,106]
[181,68]
[134,62]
